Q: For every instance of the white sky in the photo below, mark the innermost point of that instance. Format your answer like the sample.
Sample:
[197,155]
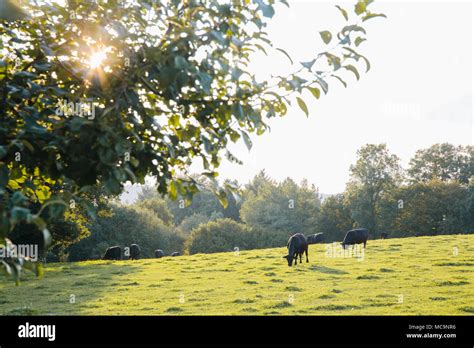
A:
[417,93]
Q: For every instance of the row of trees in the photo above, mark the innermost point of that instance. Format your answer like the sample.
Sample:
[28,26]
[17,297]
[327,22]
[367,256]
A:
[432,197]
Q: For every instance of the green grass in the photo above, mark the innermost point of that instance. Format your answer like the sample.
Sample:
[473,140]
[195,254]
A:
[410,276]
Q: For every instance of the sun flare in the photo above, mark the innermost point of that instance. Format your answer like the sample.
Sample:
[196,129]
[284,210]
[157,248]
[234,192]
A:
[97,59]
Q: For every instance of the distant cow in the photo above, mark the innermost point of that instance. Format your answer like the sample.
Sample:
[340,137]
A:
[113,253]
[383,235]
[159,253]
[315,238]
[357,236]
[297,245]
[134,252]
[175,254]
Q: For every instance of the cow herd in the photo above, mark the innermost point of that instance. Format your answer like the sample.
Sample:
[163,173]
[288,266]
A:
[131,253]
[298,243]
[297,246]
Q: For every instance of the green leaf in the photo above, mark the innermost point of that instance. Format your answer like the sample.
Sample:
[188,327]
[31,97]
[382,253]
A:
[42,66]
[353,69]
[350,28]
[172,191]
[315,91]
[26,74]
[360,7]
[357,56]
[18,198]
[343,11]
[239,111]
[341,80]
[308,65]
[372,15]
[333,60]
[323,85]
[207,144]
[205,80]
[302,105]
[326,36]
[218,36]
[286,54]
[359,40]
[222,197]
[247,140]
[180,62]
[267,10]
[19,214]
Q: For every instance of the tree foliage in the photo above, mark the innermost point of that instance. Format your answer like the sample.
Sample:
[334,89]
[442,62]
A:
[285,206]
[218,236]
[444,162]
[375,171]
[175,87]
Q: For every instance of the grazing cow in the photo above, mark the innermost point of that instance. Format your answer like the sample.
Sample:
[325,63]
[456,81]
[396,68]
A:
[159,253]
[315,238]
[113,253]
[297,245]
[134,252]
[383,235]
[175,254]
[356,236]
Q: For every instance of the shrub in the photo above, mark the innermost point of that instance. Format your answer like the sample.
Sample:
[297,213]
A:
[127,225]
[218,236]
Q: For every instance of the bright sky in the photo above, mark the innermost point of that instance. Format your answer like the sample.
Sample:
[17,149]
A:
[418,92]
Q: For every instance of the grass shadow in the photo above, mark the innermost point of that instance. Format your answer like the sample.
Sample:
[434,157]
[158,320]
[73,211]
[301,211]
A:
[74,296]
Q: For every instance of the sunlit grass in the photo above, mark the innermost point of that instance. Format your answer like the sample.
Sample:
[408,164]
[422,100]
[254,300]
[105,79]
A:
[410,276]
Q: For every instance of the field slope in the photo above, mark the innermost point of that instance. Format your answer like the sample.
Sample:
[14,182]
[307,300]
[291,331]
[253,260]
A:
[410,276]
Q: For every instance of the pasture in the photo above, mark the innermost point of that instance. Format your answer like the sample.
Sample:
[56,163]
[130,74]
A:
[409,276]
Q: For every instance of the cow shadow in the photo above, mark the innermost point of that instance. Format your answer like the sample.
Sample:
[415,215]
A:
[328,270]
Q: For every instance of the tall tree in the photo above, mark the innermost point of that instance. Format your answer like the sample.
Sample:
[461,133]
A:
[335,218]
[285,206]
[443,162]
[375,171]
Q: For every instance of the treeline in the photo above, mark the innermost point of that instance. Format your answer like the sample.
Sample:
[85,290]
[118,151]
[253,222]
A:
[435,195]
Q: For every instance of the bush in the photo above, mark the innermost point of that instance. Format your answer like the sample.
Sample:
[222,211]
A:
[226,234]
[218,236]
[127,225]
[159,207]
[191,222]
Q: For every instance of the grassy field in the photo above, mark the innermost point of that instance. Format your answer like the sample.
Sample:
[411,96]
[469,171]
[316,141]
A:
[410,276]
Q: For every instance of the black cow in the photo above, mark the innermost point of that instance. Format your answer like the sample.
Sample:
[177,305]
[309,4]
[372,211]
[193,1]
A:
[297,245]
[175,254]
[134,252]
[159,253]
[113,253]
[356,236]
[315,238]
[383,235]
